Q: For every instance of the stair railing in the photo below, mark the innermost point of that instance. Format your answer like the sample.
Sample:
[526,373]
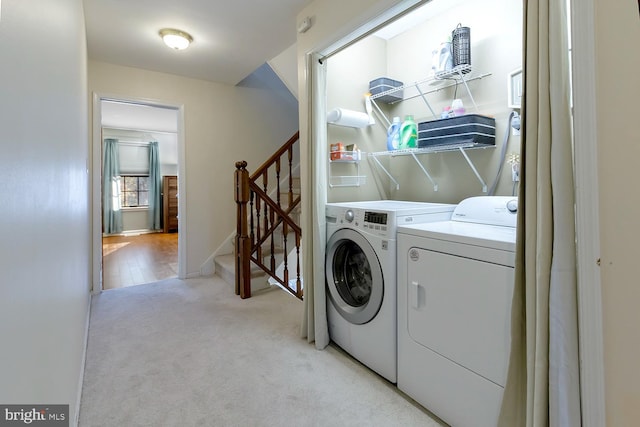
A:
[264,225]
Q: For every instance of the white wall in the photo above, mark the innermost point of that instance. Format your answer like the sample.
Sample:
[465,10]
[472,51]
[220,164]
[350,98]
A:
[44,291]
[617,27]
[167,146]
[284,65]
[223,124]
[495,49]
[348,75]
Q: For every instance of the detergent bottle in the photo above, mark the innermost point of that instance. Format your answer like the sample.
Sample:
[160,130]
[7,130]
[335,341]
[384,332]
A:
[408,133]
[393,135]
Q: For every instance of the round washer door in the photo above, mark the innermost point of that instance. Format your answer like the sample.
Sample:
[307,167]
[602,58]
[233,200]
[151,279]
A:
[354,276]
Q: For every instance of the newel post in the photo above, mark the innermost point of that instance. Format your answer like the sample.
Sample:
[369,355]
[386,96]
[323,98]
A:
[243,243]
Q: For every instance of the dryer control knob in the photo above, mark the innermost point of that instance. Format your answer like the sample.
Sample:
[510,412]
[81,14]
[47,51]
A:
[512,205]
[349,216]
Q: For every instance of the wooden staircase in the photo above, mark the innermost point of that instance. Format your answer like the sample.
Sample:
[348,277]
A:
[226,264]
[268,217]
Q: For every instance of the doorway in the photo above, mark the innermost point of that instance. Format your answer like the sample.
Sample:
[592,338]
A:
[138,249]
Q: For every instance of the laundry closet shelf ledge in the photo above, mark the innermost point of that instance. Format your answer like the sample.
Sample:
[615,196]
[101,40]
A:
[430,150]
[414,152]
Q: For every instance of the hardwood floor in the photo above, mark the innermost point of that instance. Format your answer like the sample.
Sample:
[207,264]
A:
[134,260]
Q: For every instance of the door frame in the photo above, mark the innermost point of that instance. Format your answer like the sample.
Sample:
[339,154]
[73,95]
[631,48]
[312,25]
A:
[96,182]
[587,202]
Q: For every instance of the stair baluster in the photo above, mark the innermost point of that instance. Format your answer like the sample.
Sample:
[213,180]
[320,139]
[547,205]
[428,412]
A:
[270,216]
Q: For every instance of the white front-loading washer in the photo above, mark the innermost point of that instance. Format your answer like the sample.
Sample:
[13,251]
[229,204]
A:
[360,270]
[455,288]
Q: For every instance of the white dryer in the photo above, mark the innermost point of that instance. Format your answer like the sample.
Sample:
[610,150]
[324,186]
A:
[360,269]
[455,288]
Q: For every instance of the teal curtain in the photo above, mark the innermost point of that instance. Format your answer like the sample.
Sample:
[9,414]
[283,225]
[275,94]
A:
[111,212]
[155,184]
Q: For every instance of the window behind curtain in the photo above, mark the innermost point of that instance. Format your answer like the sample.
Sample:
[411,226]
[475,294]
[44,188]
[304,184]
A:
[134,173]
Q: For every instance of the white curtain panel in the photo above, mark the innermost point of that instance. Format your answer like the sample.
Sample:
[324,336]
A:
[314,323]
[564,358]
[543,384]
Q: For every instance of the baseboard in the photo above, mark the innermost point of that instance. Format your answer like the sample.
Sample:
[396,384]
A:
[132,233]
[208,268]
[193,275]
[83,362]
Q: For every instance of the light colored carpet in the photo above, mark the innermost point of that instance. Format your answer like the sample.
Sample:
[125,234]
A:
[191,353]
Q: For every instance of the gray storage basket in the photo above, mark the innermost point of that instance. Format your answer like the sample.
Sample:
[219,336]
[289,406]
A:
[461,46]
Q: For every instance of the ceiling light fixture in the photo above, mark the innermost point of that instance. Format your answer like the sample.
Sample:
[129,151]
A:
[175,39]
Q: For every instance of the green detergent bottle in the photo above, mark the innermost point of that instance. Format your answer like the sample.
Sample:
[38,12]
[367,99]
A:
[408,133]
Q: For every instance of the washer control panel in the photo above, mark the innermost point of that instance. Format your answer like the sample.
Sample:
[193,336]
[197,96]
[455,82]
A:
[375,217]
[375,222]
